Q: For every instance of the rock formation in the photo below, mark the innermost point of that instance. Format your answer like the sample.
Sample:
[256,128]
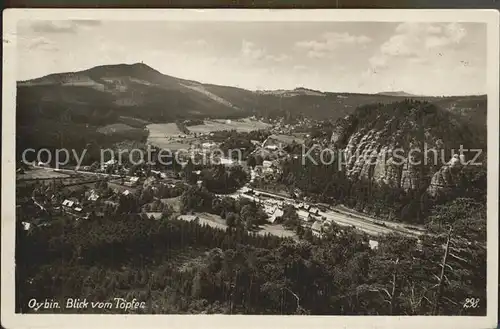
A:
[446,177]
[378,149]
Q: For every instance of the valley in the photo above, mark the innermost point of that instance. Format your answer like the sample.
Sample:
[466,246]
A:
[227,233]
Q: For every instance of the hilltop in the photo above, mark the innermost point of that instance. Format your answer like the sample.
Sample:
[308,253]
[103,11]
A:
[397,94]
[100,94]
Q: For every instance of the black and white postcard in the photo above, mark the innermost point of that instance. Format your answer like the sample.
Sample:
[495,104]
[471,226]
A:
[250,168]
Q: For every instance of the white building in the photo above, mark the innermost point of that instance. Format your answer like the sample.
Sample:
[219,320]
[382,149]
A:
[276,214]
[245,189]
[314,211]
[317,228]
[108,163]
[162,175]
[267,164]
[68,203]
[272,147]
[226,161]
[93,196]
[132,181]
[373,244]
[208,145]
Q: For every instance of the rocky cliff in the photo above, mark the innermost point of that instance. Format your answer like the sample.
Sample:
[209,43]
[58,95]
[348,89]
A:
[447,177]
[406,145]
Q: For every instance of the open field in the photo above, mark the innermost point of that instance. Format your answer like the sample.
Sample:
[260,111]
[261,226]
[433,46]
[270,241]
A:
[206,218]
[40,173]
[133,122]
[277,230]
[175,203]
[163,130]
[115,127]
[217,222]
[166,136]
[287,139]
[242,125]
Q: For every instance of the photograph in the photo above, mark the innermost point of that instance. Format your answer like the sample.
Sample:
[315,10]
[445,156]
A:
[250,167]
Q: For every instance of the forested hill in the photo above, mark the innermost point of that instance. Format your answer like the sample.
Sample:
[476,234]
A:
[100,94]
[398,161]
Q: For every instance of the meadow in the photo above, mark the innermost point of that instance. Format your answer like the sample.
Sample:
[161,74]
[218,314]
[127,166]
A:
[241,125]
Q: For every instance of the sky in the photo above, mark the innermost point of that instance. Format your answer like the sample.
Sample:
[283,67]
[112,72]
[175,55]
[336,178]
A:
[366,57]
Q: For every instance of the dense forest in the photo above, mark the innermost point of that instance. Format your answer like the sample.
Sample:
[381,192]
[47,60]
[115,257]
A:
[177,266]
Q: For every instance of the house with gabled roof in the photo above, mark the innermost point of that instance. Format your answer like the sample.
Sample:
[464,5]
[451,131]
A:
[373,244]
[277,213]
[314,211]
[317,228]
[68,203]
[93,196]
[132,181]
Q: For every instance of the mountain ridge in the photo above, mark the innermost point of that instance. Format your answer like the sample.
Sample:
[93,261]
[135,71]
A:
[143,66]
[398,93]
[140,91]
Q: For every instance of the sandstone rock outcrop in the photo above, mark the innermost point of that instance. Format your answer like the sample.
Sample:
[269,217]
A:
[446,178]
[378,150]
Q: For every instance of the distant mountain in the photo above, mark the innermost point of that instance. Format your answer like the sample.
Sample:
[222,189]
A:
[397,94]
[101,94]
[134,90]
[291,93]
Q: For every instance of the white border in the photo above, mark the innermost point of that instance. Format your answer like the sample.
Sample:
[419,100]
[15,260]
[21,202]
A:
[12,16]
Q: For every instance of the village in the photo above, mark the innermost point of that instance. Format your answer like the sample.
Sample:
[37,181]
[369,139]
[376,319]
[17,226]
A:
[86,196]
[98,190]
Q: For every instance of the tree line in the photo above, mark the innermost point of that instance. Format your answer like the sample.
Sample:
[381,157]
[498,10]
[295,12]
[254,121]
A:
[238,272]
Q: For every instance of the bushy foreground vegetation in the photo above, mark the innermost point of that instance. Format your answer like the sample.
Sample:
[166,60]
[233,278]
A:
[182,267]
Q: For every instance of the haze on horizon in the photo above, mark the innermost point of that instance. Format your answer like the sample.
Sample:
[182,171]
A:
[434,59]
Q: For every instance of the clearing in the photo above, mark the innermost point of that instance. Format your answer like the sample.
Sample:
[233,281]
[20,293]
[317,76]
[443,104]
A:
[167,136]
[206,218]
[241,125]
[217,222]
[41,173]
[175,203]
[277,230]
[118,128]
[163,130]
